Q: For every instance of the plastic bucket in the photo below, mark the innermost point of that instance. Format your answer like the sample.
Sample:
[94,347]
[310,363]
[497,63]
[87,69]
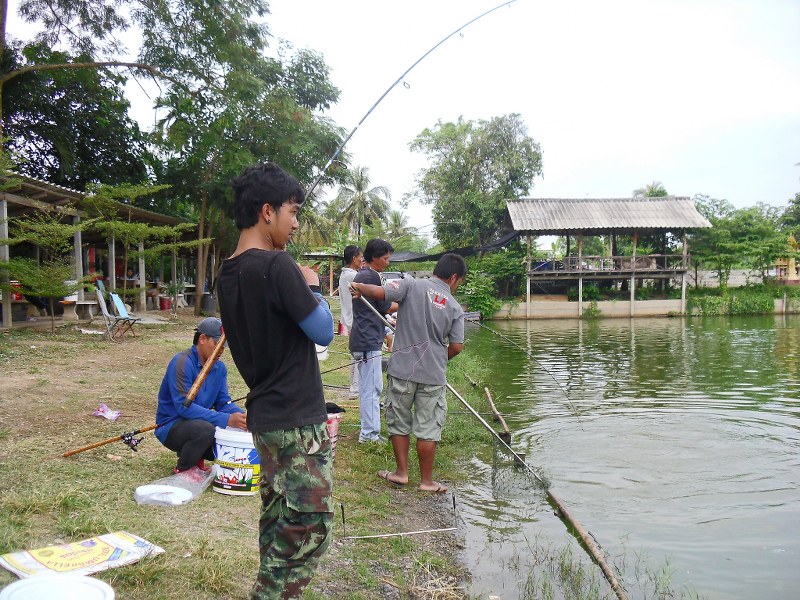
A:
[333,430]
[322,352]
[58,586]
[165,302]
[237,469]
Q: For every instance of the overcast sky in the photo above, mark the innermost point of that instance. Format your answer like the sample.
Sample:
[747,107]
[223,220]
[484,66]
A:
[701,95]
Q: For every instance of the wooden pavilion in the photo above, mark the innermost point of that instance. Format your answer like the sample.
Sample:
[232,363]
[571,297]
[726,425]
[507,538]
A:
[578,218]
[27,194]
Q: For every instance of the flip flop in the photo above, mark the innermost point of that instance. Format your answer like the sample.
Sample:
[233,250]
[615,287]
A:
[440,489]
[386,475]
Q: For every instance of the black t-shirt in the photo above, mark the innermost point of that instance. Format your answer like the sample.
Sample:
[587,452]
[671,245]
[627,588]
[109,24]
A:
[262,299]
[367,332]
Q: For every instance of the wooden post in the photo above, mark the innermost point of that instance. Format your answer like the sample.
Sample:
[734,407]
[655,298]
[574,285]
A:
[78,242]
[142,279]
[5,256]
[506,435]
[528,280]
[330,275]
[580,274]
[112,263]
[633,274]
[684,267]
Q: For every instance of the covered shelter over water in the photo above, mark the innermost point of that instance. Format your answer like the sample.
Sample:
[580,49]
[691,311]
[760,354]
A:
[581,217]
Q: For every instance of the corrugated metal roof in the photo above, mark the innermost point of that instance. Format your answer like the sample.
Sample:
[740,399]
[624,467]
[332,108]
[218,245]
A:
[564,214]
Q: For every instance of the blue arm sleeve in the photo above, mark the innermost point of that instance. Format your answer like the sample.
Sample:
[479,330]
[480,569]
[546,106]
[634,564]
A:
[318,326]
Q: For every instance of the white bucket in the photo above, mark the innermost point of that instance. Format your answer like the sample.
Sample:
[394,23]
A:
[74,296]
[58,586]
[322,352]
[333,430]
[237,467]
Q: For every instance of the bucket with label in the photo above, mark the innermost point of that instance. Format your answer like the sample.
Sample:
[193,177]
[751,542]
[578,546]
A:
[237,468]
[333,430]
[165,302]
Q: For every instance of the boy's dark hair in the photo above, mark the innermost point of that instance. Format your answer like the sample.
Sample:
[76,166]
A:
[350,252]
[196,338]
[450,264]
[262,184]
[376,248]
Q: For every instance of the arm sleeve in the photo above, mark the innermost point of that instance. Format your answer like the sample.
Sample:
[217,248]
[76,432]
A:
[318,326]
[180,386]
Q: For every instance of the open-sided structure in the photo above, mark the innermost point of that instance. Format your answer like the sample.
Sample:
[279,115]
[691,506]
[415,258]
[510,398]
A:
[578,218]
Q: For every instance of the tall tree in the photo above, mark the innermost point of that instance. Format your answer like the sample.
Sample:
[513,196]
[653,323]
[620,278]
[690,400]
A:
[70,127]
[359,204]
[475,167]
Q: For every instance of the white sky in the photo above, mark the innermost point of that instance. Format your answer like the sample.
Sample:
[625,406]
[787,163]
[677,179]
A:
[701,95]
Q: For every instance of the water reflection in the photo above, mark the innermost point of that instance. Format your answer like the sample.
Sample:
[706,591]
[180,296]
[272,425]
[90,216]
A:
[677,437]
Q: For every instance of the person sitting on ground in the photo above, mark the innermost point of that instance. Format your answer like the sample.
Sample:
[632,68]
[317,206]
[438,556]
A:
[190,431]
[430,331]
[353,259]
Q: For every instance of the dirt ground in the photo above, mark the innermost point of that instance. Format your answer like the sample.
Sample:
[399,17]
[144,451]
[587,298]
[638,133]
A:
[51,384]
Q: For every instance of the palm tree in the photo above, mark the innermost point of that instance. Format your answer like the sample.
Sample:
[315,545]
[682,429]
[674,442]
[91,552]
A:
[360,205]
[397,224]
[655,189]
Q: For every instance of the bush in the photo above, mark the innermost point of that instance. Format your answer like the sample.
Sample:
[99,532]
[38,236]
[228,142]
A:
[591,292]
[479,293]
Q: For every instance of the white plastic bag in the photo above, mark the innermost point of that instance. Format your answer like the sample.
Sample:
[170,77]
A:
[175,490]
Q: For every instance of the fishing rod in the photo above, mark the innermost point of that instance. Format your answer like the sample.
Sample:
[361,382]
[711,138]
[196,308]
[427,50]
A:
[130,439]
[391,87]
[576,413]
[562,512]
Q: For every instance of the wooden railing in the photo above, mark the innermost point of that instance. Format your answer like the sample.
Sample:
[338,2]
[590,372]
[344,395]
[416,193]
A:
[611,264]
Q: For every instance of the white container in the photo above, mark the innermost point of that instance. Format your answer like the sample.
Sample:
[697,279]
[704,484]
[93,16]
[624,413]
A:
[237,467]
[72,297]
[333,430]
[58,586]
[322,352]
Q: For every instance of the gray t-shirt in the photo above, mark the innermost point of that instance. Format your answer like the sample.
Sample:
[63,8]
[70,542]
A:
[428,320]
[345,298]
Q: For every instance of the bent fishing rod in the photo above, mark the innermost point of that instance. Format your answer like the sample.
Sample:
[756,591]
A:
[391,87]
[561,510]
[575,412]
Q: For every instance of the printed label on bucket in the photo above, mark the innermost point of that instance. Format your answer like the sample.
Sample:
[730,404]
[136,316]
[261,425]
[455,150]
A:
[237,469]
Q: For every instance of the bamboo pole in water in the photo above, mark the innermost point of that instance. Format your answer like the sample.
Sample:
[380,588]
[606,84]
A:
[563,513]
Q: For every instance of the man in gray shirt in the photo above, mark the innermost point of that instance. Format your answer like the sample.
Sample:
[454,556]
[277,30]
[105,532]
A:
[430,331]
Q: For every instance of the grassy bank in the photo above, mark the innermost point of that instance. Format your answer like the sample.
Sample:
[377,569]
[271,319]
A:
[50,386]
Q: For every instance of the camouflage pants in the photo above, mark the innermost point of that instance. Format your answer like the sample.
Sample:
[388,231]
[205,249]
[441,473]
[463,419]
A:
[297,508]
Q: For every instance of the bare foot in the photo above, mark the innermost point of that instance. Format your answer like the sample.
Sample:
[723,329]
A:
[435,487]
[392,478]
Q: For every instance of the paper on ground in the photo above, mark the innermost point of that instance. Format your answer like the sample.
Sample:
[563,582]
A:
[84,558]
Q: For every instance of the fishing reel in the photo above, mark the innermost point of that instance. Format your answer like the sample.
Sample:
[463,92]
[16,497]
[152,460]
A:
[131,441]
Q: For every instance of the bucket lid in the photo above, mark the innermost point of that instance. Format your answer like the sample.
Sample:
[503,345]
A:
[233,434]
[58,586]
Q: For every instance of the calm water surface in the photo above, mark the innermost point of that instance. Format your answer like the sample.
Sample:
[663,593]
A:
[669,439]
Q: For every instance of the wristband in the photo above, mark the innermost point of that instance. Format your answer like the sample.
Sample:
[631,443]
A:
[315,288]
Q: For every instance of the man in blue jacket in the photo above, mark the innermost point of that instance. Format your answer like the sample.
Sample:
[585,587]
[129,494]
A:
[190,431]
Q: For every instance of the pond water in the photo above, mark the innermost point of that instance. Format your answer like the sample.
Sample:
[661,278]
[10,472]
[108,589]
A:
[673,441]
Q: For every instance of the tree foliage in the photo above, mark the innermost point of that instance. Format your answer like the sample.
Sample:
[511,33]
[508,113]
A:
[358,203]
[475,167]
[69,126]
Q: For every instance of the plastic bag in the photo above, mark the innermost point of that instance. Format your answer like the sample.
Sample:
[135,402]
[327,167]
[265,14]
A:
[106,413]
[175,490]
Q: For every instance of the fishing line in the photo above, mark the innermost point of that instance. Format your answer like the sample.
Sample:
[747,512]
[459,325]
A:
[575,412]
[391,87]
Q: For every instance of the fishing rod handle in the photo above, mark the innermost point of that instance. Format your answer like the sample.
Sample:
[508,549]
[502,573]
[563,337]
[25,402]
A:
[201,377]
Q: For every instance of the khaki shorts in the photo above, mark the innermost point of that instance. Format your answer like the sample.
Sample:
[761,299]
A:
[430,409]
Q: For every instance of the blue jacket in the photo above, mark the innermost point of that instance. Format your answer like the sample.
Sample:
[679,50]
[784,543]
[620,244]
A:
[213,402]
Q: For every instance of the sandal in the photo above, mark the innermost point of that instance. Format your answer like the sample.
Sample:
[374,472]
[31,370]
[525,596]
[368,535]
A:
[386,476]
